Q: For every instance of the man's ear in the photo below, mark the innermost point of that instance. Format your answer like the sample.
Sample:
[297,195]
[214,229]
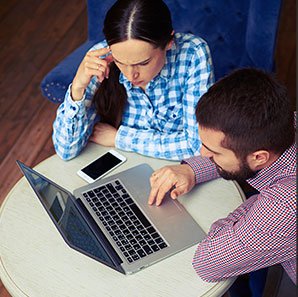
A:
[259,159]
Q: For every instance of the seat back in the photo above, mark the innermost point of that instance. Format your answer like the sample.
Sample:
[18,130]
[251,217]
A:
[239,33]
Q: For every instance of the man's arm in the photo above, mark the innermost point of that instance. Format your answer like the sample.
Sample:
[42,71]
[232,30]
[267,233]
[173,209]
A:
[259,233]
[180,179]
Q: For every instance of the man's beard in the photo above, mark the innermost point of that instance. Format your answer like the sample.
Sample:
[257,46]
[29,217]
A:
[242,174]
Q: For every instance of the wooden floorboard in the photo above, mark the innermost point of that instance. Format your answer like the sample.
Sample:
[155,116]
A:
[36,39]
[285,56]
[35,35]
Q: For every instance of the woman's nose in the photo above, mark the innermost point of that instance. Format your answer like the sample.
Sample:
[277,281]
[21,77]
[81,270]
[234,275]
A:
[132,73]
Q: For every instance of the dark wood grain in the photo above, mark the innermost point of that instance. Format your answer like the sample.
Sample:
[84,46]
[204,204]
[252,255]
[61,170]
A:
[35,35]
[286,49]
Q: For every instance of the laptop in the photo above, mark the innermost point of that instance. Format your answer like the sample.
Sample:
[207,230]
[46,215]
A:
[111,221]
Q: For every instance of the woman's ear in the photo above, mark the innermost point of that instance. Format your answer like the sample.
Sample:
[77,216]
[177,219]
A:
[170,44]
[259,159]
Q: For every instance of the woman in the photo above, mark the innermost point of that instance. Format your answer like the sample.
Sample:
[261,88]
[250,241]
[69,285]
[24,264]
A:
[137,90]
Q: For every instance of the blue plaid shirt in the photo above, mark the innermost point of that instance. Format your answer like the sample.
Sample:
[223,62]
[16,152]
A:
[160,122]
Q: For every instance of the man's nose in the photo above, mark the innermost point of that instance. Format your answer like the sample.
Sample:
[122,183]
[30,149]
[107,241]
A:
[205,153]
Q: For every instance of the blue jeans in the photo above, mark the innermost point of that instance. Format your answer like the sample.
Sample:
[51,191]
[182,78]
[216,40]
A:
[249,285]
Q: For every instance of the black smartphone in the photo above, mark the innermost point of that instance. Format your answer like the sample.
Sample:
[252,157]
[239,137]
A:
[101,166]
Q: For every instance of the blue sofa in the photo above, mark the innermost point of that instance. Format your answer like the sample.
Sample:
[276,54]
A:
[240,33]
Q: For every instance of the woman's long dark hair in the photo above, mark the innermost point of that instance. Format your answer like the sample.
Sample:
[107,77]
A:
[147,20]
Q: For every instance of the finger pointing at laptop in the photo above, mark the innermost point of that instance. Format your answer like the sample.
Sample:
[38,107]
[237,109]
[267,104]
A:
[178,179]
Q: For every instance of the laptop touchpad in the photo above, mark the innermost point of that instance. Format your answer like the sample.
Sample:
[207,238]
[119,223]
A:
[169,207]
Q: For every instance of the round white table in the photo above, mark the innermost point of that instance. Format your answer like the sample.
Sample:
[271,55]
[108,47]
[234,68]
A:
[35,260]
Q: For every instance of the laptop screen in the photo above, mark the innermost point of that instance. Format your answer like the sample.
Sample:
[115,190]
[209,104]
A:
[66,216]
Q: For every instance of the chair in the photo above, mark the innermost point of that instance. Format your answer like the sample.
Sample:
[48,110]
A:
[239,34]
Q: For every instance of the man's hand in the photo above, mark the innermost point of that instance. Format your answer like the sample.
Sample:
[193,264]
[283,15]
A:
[180,179]
[103,134]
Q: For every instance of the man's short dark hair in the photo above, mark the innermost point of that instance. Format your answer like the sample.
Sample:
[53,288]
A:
[253,111]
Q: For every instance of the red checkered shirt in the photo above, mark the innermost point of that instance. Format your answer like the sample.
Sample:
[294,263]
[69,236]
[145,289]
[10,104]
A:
[259,233]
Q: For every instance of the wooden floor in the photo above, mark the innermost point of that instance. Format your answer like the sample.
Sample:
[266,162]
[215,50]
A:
[34,36]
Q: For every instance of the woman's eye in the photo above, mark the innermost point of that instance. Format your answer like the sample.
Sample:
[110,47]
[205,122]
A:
[143,64]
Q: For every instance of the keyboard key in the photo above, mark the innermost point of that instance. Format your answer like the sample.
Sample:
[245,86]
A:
[135,257]
[158,240]
[147,249]
[142,242]
[126,208]
[151,242]
[144,232]
[151,230]
[155,248]
[128,247]
[136,233]
[122,227]
[91,194]
[111,188]
[162,245]
[136,246]
[131,252]
[155,235]
[141,228]
[98,190]
[109,208]
[129,201]
[118,232]
[129,236]
[133,241]
[124,241]
[98,204]
[141,253]
[126,232]
[140,215]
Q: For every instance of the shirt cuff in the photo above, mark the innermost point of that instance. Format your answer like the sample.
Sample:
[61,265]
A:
[203,168]
[72,107]
[123,135]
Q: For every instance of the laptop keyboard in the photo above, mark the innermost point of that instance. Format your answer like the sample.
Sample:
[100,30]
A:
[130,229]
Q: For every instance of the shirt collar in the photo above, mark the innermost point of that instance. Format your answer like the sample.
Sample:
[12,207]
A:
[285,165]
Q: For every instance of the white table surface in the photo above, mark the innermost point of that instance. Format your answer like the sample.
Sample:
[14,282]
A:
[35,260]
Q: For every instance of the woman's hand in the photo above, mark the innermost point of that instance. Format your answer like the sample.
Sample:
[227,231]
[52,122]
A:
[104,134]
[92,65]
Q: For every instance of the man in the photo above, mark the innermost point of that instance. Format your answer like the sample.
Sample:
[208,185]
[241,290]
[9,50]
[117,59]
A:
[247,132]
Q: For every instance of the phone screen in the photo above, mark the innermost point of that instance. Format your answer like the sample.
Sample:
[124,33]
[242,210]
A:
[101,165]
